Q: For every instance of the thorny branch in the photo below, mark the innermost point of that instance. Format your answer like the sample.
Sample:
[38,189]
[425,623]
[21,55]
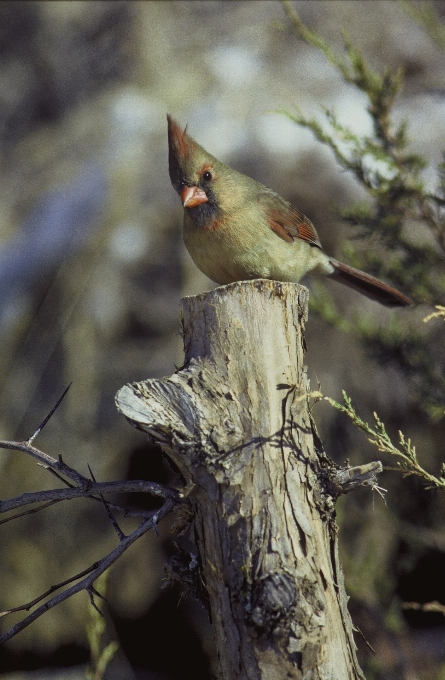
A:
[79,486]
[87,583]
[57,495]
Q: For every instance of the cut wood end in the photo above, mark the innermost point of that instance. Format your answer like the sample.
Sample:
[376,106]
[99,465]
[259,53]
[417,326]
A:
[348,479]
[278,288]
[132,406]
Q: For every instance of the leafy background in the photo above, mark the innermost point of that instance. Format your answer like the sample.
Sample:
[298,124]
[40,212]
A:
[92,268]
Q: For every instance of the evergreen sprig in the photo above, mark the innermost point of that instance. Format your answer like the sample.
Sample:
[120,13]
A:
[424,14]
[378,436]
[392,176]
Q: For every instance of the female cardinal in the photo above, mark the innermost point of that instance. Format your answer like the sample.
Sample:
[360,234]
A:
[236,228]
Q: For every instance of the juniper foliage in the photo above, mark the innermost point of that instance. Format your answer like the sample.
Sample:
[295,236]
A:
[402,219]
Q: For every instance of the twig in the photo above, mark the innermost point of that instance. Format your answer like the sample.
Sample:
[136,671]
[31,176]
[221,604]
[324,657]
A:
[433,606]
[346,479]
[91,593]
[440,314]
[47,460]
[95,488]
[111,517]
[52,589]
[29,512]
[87,583]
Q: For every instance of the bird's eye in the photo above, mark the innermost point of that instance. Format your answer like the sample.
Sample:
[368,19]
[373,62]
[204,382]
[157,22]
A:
[207,176]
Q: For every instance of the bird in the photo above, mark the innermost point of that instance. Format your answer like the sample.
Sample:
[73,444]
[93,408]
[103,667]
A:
[237,229]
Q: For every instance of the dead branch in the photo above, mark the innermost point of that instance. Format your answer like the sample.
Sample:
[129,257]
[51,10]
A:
[81,487]
[87,583]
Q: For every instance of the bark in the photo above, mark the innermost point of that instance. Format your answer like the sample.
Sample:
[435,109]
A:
[235,420]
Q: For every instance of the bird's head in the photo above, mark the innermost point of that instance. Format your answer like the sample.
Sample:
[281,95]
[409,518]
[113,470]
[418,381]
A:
[207,187]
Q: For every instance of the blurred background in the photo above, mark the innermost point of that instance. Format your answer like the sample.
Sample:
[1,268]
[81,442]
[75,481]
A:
[92,269]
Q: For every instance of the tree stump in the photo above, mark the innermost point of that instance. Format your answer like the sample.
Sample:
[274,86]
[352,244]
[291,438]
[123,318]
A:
[235,420]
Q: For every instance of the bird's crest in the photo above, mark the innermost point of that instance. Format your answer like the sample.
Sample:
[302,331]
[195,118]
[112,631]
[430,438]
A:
[179,141]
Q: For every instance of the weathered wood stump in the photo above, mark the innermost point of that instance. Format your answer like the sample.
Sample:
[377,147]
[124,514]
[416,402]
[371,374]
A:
[235,420]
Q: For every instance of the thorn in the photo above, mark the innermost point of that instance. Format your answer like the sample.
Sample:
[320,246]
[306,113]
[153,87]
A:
[43,423]
[56,474]
[106,505]
[368,644]
[96,592]
[91,473]
[91,592]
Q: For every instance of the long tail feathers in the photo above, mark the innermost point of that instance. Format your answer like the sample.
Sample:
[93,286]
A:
[368,285]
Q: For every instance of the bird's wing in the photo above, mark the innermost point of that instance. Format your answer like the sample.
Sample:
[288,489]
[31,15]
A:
[286,221]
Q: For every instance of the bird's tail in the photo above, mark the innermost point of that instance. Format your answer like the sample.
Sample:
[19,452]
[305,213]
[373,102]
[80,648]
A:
[368,285]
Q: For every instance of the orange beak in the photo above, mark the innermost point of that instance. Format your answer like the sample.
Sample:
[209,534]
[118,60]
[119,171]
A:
[192,196]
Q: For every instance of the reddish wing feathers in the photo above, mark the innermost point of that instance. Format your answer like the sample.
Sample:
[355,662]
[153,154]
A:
[286,221]
[290,229]
[306,231]
[279,229]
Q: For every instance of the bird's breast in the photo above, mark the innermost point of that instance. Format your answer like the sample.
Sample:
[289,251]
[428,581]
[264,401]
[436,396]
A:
[229,249]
